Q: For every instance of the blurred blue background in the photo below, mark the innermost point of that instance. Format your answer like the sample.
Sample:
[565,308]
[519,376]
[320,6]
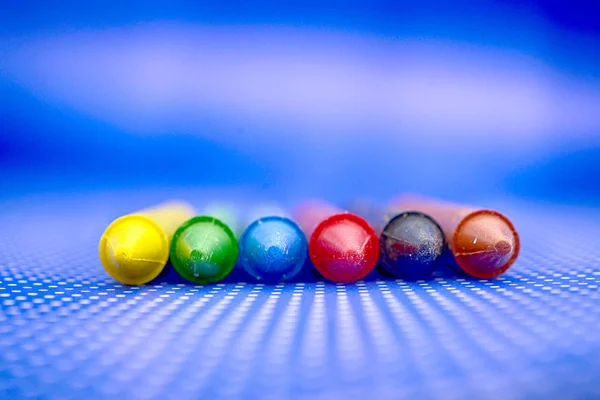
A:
[294,99]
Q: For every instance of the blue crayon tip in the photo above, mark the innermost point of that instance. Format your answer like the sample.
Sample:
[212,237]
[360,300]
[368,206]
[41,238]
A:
[273,249]
[412,244]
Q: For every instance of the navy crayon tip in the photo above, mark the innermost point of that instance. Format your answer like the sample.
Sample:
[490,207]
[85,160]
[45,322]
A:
[412,243]
[273,249]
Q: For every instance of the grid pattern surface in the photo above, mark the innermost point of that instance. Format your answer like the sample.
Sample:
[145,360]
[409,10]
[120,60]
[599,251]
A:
[68,331]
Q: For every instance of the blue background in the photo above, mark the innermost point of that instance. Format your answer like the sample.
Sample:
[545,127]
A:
[331,99]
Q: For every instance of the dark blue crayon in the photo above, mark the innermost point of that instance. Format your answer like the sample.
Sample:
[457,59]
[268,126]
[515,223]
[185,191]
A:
[412,245]
[273,249]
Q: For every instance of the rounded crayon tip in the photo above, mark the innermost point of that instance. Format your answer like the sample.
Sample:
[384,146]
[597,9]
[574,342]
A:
[204,250]
[273,249]
[134,249]
[485,244]
[344,248]
[411,244]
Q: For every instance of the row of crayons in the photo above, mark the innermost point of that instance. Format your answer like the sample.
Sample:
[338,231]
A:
[410,238]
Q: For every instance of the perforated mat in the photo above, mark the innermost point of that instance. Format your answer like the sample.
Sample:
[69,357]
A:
[68,331]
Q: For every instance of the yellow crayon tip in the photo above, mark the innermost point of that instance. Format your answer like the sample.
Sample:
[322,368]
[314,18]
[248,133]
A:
[134,249]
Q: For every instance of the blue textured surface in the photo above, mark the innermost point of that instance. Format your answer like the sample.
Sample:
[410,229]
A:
[68,331]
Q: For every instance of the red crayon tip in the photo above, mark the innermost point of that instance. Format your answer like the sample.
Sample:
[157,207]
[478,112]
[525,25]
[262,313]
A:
[344,248]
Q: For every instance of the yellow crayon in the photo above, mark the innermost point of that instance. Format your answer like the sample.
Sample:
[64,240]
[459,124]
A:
[134,248]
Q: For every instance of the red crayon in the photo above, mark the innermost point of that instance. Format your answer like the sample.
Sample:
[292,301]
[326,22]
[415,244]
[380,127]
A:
[342,246]
[484,242]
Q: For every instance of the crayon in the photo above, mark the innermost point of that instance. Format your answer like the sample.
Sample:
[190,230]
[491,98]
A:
[134,248]
[484,243]
[226,212]
[411,243]
[273,248]
[342,246]
[204,249]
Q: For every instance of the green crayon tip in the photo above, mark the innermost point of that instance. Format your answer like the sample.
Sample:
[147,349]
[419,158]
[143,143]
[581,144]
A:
[204,250]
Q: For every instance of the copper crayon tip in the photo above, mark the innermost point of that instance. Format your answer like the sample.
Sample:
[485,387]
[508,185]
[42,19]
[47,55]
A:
[485,244]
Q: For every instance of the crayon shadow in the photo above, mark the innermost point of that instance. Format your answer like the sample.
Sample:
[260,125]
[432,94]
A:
[170,276]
